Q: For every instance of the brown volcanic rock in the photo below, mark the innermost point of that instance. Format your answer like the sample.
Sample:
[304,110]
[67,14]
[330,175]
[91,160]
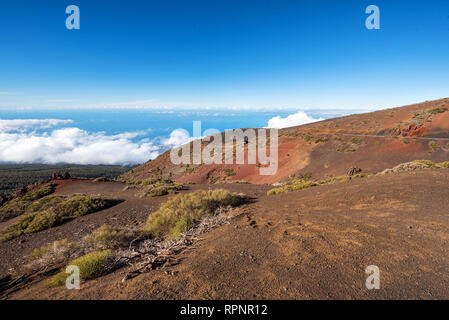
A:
[374,141]
[59,176]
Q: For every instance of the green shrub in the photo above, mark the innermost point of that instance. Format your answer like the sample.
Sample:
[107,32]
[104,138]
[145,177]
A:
[443,165]
[91,265]
[38,253]
[437,110]
[434,146]
[42,192]
[229,172]
[213,180]
[427,163]
[322,139]
[25,203]
[71,207]
[45,203]
[416,165]
[162,190]
[300,184]
[308,137]
[106,237]
[155,187]
[293,185]
[182,212]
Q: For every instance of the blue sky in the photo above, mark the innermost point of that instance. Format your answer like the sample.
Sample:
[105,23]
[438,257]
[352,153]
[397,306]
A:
[222,54]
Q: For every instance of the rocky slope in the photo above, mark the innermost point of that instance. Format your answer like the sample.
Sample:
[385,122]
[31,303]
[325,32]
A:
[371,141]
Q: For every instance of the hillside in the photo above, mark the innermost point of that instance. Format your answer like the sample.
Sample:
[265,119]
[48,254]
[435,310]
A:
[308,244]
[309,237]
[371,141]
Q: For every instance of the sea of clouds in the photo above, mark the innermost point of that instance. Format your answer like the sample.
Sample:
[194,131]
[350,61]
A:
[43,141]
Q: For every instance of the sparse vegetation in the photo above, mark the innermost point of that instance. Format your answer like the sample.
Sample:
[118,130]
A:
[69,208]
[356,140]
[433,146]
[322,139]
[300,184]
[229,172]
[55,251]
[26,203]
[39,252]
[184,211]
[416,165]
[437,110]
[288,133]
[308,137]
[91,265]
[155,187]
[425,115]
[106,237]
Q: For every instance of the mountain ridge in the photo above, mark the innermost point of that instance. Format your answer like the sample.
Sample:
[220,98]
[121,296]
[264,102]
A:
[372,141]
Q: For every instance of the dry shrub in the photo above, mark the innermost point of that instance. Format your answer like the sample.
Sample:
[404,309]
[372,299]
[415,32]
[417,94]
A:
[184,211]
[58,252]
[416,165]
[107,237]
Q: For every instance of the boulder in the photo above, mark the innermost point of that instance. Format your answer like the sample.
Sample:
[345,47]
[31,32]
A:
[353,171]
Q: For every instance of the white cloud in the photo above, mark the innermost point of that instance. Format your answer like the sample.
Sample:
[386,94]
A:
[177,138]
[23,125]
[19,144]
[292,120]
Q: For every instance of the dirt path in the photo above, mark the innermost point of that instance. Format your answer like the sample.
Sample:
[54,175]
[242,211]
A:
[310,244]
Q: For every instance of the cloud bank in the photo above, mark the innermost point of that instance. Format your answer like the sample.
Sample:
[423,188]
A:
[23,125]
[292,120]
[20,142]
[177,138]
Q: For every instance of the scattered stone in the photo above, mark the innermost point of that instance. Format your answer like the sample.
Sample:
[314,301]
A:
[353,171]
[59,176]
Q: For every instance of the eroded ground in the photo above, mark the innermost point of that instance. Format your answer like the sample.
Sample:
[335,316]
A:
[308,244]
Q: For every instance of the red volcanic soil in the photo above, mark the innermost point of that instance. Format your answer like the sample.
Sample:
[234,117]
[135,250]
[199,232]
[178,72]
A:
[372,141]
[309,244]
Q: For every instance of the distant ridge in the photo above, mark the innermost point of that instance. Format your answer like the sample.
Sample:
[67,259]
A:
[372,141]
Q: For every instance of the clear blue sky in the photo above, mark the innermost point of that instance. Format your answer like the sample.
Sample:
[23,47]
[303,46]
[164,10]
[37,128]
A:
[222,54]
